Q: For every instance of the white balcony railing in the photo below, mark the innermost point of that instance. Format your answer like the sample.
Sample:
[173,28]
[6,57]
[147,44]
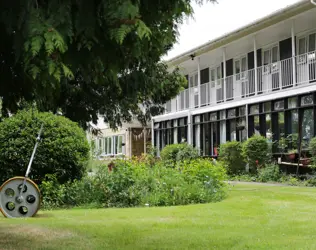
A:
[270,78]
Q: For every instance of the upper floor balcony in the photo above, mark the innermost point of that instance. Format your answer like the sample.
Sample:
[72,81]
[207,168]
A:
[271,77]
[272,55]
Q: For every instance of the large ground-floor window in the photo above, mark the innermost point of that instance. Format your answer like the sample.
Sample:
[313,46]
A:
[110,145]
[170,132]
[277,120]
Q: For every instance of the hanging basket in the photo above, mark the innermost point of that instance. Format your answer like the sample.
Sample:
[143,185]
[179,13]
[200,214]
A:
[240,127]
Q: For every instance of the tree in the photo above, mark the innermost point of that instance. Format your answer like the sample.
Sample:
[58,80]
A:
[90,57]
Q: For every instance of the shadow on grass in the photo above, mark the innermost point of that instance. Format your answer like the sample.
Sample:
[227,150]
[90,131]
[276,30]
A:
[44,215]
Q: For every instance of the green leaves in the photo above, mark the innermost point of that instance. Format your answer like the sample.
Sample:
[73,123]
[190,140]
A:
[142,30]
[63,150]
[90,57]
[34,71]
[36,44]
[67,72]
[119,34]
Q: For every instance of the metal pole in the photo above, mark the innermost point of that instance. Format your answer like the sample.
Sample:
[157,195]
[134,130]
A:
[38,138]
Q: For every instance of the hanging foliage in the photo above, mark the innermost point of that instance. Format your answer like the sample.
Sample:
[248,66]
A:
[90,57]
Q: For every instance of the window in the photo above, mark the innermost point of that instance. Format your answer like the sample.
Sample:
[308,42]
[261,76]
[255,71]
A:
[254,109]
[268,127]
[275,52]
[193,80]
[119,146]
[213,117]
[182,123]
[267,107]
[302,50]
[205,75]
[232,128]
[237,70]
[213,75]
[279,105]
[108,145]
[307,100]
[292,102]
[243,66]
[100,145]
[242,111]
[219,72]
[308,126]
[222,114]
[241,129]
[231,113]
[302,46]
[266,57]
[281,124]
[257,124]
[311,43]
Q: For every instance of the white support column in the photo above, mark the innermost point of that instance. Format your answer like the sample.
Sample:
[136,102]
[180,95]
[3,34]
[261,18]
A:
[130,142]
[247,125]
[256,64]
[199,82]
[145,139]
[293,53]
[152,133]
[224,76]
[190,130]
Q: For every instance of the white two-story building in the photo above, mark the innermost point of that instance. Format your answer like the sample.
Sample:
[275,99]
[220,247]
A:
[259,79]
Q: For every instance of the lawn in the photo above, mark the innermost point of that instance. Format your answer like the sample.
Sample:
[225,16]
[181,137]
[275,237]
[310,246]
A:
[252,217]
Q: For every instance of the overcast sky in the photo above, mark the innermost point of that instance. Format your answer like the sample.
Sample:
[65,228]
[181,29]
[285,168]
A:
[213,20]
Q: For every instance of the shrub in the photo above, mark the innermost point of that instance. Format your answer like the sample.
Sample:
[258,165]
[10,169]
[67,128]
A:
[311,182]
[231,156]
[256,152]
[132,184]
[270,172]
[178,152]
[63,151]
[312,148]
[188,152]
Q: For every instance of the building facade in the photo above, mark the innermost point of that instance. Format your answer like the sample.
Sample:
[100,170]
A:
[260,79]
[131,139]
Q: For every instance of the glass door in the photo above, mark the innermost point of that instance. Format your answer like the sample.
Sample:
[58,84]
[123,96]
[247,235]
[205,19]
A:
[219,83]
[213,86]
[302,67]
[271,69]
[311,57]
[241,79]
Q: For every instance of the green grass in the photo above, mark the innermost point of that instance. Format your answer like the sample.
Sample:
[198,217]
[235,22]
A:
[252,217]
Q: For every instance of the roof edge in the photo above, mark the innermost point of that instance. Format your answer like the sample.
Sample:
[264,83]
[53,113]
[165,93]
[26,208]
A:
[304,5]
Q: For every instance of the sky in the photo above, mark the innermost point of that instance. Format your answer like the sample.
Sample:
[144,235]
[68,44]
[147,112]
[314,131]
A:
[214,20]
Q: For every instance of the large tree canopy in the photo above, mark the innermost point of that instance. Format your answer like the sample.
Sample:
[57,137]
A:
[89,57]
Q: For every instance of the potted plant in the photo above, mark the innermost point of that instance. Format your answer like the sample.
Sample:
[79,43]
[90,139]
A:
[292,154]
[305,161]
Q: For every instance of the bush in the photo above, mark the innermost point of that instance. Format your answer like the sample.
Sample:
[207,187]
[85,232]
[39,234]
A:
[312,148]
[311,182]
[256,152]
[231,156]
[269,173]
[133,184]
[63,151]
[178,152]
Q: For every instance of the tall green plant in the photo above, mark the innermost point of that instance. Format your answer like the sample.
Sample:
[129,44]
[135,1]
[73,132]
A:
[232,157]
[178,152]
[312,148]
[256,152]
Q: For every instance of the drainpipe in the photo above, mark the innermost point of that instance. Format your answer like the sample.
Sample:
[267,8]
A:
[313,2]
